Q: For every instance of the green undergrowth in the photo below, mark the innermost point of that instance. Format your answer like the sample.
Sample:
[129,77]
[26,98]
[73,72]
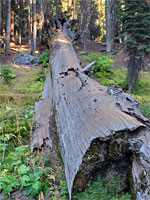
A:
[108,75]
[44,58]
[25,89]
[16,127]
[20,168]
[104,190]
[104,66]
[7,74]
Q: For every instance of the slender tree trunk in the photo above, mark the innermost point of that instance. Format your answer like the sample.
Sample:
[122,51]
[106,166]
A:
[21,28]
[72,9]
[84,22]
[0,24]
[34,27]
[31,27]
[0,17]
[7,48]
[57,8]
[12,39]
[41,20]
[20,37]
[109,10]
[132,76]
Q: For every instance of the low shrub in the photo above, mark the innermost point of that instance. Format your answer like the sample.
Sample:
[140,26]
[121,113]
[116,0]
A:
[7,74]
[44,58]
[104,66]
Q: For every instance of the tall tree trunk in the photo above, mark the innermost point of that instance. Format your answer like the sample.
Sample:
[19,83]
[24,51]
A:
[41,20]
[20,37]
[109,10]
[57,8]
[7,48]
[21,3]
[34,27]
[72,9]
[0,17]
[12,39]
[29,27]
[84,22]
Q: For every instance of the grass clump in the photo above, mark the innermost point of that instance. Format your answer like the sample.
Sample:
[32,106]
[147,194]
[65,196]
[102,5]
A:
[44,58]
[30,88]
[104,190]
[145,109]
[15,126]
[104,66]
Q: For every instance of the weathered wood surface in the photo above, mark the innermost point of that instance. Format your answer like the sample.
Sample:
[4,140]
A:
[44,118]
[88,112]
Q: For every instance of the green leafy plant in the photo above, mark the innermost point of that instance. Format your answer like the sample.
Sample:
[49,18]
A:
[104,190]
[44,58]
[104,66]
[7,74]
[18,172]
[64,189]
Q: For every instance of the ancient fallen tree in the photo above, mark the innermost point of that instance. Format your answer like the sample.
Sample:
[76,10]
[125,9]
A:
[100,129]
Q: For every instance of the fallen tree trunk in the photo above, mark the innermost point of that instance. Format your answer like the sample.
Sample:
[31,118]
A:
[99,128]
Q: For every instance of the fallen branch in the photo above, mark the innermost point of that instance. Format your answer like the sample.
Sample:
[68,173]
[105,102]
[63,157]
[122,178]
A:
[88,67]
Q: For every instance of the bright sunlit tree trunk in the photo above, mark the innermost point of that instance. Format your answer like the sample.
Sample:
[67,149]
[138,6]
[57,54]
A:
[8,28]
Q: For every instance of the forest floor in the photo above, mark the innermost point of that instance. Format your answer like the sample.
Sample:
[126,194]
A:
[94,47]
[17,108]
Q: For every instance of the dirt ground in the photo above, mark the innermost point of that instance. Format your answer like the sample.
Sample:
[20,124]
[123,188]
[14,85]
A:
[14,50]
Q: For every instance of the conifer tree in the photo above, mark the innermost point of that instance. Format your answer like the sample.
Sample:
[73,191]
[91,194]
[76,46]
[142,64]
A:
[136,27]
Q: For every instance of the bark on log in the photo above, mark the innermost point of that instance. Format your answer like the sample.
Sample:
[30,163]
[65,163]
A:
[96,125]
[44,118]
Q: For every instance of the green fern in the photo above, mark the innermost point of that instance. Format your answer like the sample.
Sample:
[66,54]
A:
[104,190]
